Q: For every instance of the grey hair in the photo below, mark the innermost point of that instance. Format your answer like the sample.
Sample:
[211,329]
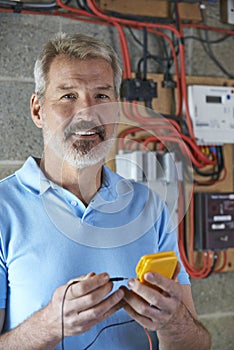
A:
[78,46]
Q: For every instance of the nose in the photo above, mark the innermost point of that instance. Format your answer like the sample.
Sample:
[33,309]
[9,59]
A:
[82,105]
[87,109]
[87,101]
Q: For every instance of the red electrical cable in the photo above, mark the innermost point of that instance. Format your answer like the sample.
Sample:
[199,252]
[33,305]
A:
[128,22]
[127,72]
[197,151]
[181,89]
[73,9]
[194,271]
[149,339]
[132,112]
[170,137]
[126,60]
[207,255]
[184,147]
[138,117]
[210,28]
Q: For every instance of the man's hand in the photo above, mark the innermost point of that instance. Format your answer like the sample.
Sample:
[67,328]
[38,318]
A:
[85,303]
[163,305]
[155,303]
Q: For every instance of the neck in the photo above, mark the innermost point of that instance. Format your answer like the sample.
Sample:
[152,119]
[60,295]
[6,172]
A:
[83,183]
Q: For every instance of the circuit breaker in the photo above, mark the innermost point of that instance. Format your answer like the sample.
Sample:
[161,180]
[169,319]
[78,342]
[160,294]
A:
[214,221]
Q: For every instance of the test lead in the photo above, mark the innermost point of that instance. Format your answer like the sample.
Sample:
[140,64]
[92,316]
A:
[115,279]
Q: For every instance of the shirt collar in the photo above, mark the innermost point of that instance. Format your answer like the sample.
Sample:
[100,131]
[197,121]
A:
[31,177]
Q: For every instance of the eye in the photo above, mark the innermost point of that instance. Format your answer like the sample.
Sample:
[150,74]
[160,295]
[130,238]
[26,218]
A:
[102,97]
[69,96]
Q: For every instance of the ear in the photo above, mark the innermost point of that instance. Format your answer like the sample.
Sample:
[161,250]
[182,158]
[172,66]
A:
[36,110]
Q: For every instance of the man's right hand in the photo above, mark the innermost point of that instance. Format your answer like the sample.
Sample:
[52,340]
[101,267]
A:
[85,304]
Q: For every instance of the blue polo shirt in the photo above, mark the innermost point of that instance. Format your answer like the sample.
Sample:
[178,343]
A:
[48,236]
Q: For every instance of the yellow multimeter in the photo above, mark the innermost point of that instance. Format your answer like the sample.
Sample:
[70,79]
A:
[163,263]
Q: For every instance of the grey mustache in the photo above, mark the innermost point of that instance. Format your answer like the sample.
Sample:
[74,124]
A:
[83,125]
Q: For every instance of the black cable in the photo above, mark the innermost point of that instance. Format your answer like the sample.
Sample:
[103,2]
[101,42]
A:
[182,122]
[176,47]
[170,60]
[216,41]
[177,17]
[62,313]
[209,49]
[145,49]
[220,165]
[104,328]
[30,5]
[146,54]
[146,19]
[80,5]
[86,7]
[213,264]
[135,37]
[112,279]
[157,59]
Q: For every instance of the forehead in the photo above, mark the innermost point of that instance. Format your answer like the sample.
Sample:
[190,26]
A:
[90,71]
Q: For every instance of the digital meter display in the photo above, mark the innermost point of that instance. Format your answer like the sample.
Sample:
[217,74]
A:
[213,99]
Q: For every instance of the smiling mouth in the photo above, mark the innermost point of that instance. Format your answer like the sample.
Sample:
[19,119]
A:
[85,133]
[85,129]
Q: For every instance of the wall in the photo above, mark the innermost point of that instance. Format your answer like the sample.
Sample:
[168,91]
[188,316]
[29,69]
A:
[21,37]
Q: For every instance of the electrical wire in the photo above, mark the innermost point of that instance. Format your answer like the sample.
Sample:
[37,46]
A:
[62,313]
[104,328]
[90,12]
[145,50]
[30,5]
[209,49]
[216,41]
[190,266]
[149,339]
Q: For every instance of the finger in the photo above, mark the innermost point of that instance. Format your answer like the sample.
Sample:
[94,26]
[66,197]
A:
[148,316]
[89,300]
[83,321]
[80,278]
[176,273]
[141,302]
[142,320]
[153,297]
[85,286]
[167,285]
[105,308]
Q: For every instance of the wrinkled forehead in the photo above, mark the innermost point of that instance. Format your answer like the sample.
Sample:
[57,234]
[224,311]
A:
[65,72]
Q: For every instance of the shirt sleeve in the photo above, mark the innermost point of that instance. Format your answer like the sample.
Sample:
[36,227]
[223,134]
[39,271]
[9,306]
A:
[168,240]
[3,277]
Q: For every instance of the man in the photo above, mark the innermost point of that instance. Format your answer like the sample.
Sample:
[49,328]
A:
[68,224]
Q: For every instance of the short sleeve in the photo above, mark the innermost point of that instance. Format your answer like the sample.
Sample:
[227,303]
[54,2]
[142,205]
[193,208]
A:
[3,277]
[168,240]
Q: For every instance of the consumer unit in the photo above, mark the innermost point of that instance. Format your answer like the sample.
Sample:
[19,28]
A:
[214,221]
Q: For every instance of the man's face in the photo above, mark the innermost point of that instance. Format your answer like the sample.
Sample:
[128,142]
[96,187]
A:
[77,113]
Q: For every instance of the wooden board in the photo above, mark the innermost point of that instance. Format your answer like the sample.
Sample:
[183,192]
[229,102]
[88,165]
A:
[152,8]
[164,104]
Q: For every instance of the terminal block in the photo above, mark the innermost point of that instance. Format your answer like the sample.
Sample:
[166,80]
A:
[138,90]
